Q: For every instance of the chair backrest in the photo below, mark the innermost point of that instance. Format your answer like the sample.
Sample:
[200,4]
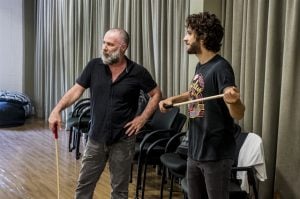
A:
[240,138]
[79,107]
[163,120]
[177,127]
[250,161]
[143,101]
[84,120]
[179,122]
[251,154]
[182,148]
[81,101]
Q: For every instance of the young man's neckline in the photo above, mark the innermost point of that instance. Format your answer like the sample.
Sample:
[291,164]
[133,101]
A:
[209,59]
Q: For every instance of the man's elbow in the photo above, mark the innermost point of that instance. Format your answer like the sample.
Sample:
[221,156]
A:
[156,93]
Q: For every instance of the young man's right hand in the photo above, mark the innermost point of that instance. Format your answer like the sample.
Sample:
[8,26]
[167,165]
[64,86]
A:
[162,105]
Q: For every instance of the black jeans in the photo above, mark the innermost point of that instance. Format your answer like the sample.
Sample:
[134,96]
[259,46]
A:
[209,179]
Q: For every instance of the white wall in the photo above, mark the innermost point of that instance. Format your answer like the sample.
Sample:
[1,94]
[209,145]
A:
[11,45]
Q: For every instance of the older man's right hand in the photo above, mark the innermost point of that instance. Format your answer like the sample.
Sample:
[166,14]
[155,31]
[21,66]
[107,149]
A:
[54,121]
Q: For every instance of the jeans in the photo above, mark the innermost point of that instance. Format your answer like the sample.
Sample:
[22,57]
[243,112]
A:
[119,156]
[209,179]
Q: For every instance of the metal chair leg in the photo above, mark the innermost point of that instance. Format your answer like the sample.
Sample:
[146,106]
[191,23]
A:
[144,179]
[71,139]
[139,176]
[78,135]
[163,176]
[171,187]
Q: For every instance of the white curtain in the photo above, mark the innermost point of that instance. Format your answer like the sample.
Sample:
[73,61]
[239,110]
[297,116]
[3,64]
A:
[262,43]
[69,33]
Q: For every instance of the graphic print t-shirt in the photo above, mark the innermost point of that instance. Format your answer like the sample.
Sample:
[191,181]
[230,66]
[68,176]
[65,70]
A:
[196,89]
[211,126]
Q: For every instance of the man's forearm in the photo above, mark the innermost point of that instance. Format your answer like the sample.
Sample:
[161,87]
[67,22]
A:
[69,98]
[152,104]
[180,98]
[237,110]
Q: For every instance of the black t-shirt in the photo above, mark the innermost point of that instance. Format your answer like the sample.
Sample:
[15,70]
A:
[211,130]
[113,104]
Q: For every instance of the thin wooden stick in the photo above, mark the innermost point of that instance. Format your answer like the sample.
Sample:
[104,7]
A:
[197,100]
[57,163]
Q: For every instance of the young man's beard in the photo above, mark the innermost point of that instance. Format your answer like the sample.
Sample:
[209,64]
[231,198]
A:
[194,48]
[113,58]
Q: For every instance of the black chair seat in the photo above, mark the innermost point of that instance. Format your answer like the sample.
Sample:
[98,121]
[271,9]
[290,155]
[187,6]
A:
[174,162]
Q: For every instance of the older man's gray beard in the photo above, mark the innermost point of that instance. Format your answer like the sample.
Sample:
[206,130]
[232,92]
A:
[111,59]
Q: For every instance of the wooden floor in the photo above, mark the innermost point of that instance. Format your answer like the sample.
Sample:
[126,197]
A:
[28,167]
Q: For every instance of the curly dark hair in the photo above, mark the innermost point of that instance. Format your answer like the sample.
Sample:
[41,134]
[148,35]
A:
[207,27]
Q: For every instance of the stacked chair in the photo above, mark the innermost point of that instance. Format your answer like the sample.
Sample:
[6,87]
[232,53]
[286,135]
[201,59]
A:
[78,122]
[152,143]
[174,160]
